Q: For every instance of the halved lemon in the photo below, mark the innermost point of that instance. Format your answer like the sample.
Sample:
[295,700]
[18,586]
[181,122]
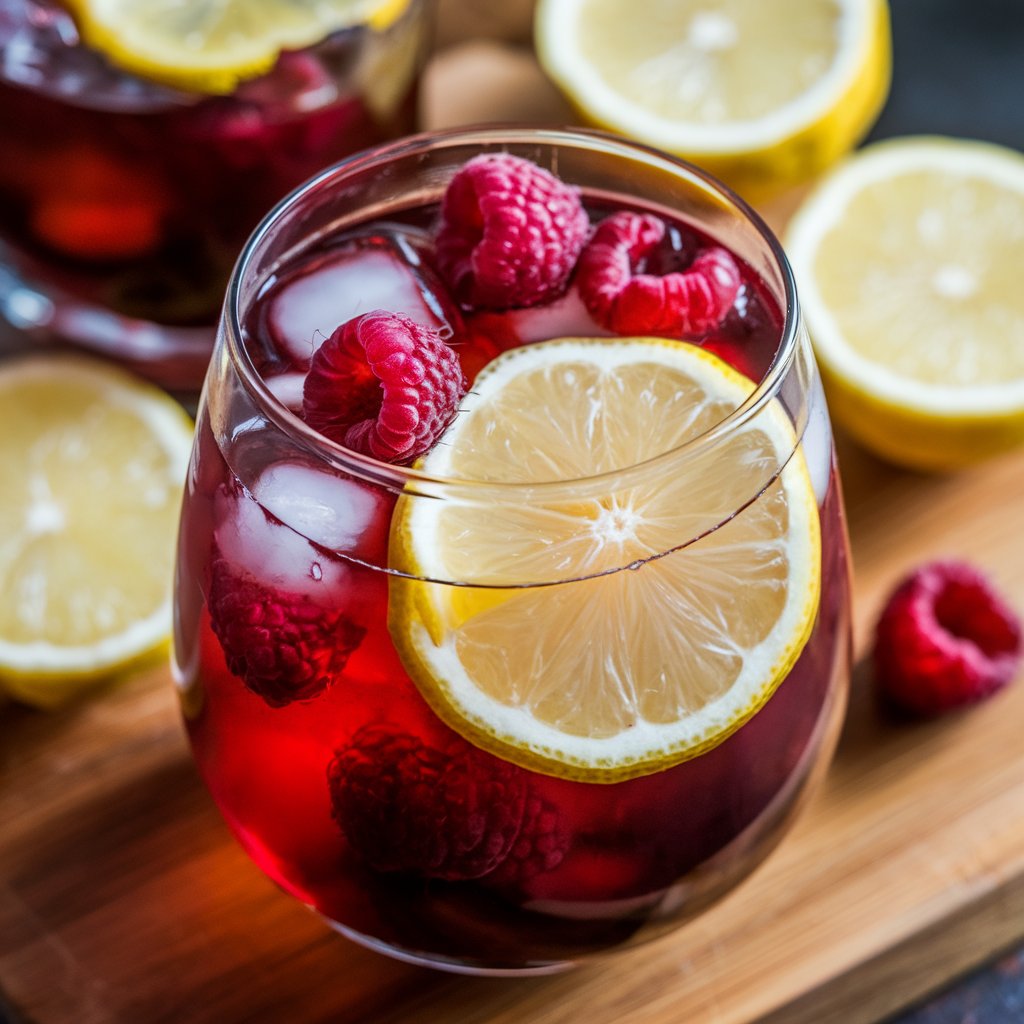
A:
[648,658]
[209,46]
[761,94]
[908,258]
[93,463]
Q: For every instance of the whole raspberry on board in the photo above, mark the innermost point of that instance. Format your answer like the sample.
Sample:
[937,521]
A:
[383,385]
[510,233]
[946,639]
[284,647]
[622,294]
[452,813]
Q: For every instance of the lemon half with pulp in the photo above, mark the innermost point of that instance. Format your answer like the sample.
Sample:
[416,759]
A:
[648,658]
[762,94]
[93,462]
[908,258]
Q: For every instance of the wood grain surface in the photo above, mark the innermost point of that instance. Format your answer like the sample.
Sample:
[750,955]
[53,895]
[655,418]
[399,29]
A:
[123,899]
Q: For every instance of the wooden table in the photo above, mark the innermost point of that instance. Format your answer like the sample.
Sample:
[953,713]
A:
[124,899]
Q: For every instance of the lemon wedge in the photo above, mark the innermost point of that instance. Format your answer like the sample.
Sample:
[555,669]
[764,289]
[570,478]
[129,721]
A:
[763,95]
[908,259]
[93,462]
[648,658]
[210,47]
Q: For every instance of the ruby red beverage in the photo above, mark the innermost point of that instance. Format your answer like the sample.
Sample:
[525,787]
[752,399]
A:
[512,599]
[124,202]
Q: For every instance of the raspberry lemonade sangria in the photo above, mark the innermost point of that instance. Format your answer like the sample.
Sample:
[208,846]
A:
[512,598]
[143,142]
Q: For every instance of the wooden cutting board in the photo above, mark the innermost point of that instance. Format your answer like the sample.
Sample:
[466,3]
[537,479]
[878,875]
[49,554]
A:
[123,899]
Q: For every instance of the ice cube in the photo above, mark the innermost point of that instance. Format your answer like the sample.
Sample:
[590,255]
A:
[383,270]
[336,512]
[566,317]
[274,555]
[287,389]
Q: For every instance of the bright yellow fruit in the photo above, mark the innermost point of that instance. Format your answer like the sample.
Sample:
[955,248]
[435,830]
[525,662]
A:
[644,661]
[210,47]
[761,94]
[908,260]
[93,462]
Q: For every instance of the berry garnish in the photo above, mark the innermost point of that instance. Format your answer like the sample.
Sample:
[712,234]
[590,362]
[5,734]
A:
[510,233]
[621,291]
[945,639]
[541,846]
[283,646]
[452,812]
[383,385]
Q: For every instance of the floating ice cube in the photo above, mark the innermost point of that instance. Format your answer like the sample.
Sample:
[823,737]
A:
[287,389]
[273,554]
[383,270]
[565,318]
[334,512]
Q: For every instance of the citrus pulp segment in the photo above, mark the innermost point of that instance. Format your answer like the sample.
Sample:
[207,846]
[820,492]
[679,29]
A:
[760,94]
[210,47]
[908,258]
[94,462]
[643,650]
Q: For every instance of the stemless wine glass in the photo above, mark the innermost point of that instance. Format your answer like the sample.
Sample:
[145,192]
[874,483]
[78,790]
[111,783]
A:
[560,684]
[124,202]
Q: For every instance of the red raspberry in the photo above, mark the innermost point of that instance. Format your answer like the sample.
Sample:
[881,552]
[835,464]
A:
[945,639]
[510,233]
[452,812]
[542,844]
[624,298]
[384,385]
[283,646]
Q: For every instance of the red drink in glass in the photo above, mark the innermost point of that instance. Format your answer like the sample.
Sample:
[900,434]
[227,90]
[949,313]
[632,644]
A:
[340,778]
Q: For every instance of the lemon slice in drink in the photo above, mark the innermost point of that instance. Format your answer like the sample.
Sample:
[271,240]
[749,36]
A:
[93,461]
[908,258]
[762,94]
[209,46]
[644,661]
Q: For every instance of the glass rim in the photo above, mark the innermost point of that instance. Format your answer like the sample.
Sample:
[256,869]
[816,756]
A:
[411,479]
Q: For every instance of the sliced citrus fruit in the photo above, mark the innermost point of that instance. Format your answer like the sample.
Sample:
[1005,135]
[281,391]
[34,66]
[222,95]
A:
[210,47]
[648,658]
[908,260]
[93,462]
[761,94]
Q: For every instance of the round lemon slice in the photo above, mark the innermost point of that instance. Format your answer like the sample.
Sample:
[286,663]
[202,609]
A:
[908,258]
[93,462]
[210,47]
[648,650]
[761,94]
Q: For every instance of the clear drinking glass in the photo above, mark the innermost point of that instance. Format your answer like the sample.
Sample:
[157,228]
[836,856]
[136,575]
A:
[312,704]
[124,203]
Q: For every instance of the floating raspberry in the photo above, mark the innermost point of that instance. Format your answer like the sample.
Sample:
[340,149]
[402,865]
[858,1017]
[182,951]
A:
[384,385]
[622,292]
[283,646]
[451,813]
[510,233]
[945,639]
[542,844]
